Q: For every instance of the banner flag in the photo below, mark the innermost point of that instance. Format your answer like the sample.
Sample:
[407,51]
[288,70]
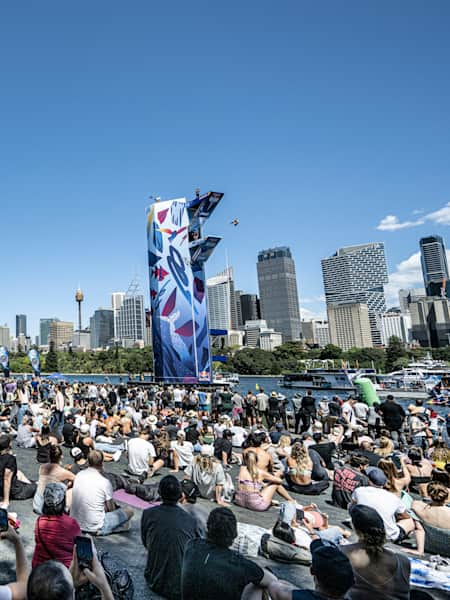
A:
[35,361]
[4,360]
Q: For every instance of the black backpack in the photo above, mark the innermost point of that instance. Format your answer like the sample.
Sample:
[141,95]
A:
[118,577]
[276,549]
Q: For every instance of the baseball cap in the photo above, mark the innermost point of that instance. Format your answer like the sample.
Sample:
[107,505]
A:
[190,489]
[54,494]
[84,428]
[76,453]
[365,518]
[331,567]
[279,426]
[376,476]
[227,433]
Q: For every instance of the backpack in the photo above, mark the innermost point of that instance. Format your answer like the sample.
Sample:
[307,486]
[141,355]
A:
[118,578]
[275,549]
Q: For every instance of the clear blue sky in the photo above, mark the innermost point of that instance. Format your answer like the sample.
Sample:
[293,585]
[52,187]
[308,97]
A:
[318,120]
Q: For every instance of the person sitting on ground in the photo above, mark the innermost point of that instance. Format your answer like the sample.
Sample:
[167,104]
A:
[299,474]
[385,448]
[223,448]
[397,481]
[347,478]
[44,441]
[207,473]
[182,452]
[53,581]
[69,431]
[79,461]
[420,470]
[436,513]
[26,433]
[380,573]
[54,531]
[13,483]
[332,572]
[284,448]
[398,524]
[167,528]
[253,443]
[141,456]
[367,449]
[188,501]
[49,473]
[256,488]
[325,449]
[212,570]
[92,501]
[16,590]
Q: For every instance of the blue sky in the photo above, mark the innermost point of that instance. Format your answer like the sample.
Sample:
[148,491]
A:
[317,120]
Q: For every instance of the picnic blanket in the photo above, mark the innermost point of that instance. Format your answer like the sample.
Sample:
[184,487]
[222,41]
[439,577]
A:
[423,574]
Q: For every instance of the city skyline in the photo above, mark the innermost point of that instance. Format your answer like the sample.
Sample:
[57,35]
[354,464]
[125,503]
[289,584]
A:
[331,128]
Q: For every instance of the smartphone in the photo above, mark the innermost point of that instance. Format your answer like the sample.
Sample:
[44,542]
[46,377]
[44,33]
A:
[84,552]
[4,520]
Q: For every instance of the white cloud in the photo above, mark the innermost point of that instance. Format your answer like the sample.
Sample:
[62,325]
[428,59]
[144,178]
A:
[441,216]
[408,274]
[313,299]
[391,223]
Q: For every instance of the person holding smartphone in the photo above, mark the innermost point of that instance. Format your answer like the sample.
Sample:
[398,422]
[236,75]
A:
[17,589]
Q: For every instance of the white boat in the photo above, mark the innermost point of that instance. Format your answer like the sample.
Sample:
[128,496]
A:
[325,382]
[225,378]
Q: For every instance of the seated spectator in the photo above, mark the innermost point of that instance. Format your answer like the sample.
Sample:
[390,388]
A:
[327,450]
[420,470]
[223,447]
[53,581]
[167,528]
[26,434]
[54,531]
[367,449]
[332,572]
[92,501]
[284,448]
[69,431]
[207,473]
[44,441]
[398,524]
[299,475]
[79,461]
[379,572]
[188,501]
[256,488]
[385,447]
[397,481]
[182,452]
[347,478]
[49,473]
[141,456]
[16,590]
[13,483]
[212,570]
[435,513]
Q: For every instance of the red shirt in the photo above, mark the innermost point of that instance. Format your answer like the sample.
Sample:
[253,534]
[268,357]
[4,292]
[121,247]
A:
[55,539]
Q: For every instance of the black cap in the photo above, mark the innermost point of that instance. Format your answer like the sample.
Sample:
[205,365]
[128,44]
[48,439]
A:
[227,433]
[5,441]
[331,567]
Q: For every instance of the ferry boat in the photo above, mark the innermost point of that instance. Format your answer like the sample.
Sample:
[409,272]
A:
[325,382]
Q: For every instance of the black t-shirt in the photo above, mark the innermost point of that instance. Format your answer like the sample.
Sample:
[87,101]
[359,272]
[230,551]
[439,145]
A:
[346,480]
[210,572]
[393,415]
[373,458]
[326,451]
[227,403]
[7,461]
[165,532]
[335,409]
[192,434]
[172,432]
[308,405]
[222,445]
[69,433]
[306,595]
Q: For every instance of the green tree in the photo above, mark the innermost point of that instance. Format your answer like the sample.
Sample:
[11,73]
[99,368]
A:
[394,352]
[330,351]
[254,361]
[51,360]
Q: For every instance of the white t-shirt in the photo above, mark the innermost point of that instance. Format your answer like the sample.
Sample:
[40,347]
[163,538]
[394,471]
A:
[239,435]
[5,592]
[90,492]
[139,452]
[385,503]
[184,452]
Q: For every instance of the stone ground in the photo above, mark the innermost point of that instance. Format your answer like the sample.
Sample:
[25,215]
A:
[127,547]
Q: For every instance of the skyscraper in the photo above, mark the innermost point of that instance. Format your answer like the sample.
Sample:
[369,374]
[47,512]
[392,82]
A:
[434,266]
[102,327]
[117,299]
[5,335]
[349,325]
[249,307]
[61,333]
[222,313]
[44,330]
[21,325]
[406,296]
[278,292]
[131,317]
[358,274]
[431,321]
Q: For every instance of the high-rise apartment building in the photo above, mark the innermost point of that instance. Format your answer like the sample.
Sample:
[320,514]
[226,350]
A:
[434,266]
[44,330]
[357,275]
[430,319]
[61,333]
[395,324]
[349,325]
[5,335]
[316,333]
[21,325]
[278,293]
[117,299]
[131,321]
[222,312]
[237,299]
[102,328]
